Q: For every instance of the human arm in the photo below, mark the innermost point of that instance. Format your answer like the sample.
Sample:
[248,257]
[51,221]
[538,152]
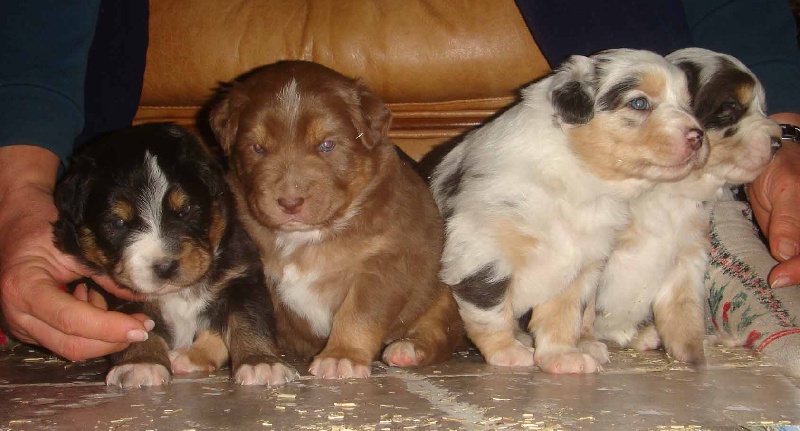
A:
[45,44]
[32,269]
[775,199]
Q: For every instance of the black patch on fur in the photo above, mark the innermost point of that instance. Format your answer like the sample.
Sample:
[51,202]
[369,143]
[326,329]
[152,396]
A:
[730,132]
[480,290]
[716,105]
[573,103]
[692,72]
[451,184]
[614,98]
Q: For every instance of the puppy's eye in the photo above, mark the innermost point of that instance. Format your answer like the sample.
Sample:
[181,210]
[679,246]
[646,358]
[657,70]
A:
[639,104]
[118,223]
[186,211]
[258,149]
[326,146]
[730,107]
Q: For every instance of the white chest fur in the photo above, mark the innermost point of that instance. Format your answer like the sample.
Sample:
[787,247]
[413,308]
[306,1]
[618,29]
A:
[181,313]
[296,290]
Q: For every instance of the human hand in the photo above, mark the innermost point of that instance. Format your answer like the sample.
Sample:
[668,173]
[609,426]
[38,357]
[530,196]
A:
[32,271]
[775,199]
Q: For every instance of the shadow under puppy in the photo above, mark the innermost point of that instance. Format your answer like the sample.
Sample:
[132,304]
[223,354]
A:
[349,231]
[150,208]
[652,289]
[534,199]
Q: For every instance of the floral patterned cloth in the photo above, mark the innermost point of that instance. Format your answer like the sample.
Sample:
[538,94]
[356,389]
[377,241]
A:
[743,309]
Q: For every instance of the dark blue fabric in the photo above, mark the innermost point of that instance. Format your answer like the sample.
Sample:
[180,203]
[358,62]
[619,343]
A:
[760,33]
[116,67]
[564,28]
[69,66]
[44,46]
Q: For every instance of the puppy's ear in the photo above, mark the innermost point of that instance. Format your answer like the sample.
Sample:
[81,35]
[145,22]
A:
[71,197]
[197,161]
[376,117]
[224,115]
[572,92]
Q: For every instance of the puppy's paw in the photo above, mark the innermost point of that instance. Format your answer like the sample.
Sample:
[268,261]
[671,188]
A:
[182,362]
[571,362]
[596,349]
[337,368]
[647,339]
[402,353]
[276,374]
[517,355]
[138,375]
[689,351]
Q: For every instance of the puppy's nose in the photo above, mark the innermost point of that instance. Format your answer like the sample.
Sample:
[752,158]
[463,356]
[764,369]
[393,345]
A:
[694,137]
[165,269]
[291,205]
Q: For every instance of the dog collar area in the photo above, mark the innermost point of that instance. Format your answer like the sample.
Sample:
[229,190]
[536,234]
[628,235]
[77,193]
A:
[790,132]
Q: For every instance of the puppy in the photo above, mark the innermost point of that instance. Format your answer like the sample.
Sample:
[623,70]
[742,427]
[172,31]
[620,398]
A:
[534,199]
[350,232]
[654,278]
[150,208]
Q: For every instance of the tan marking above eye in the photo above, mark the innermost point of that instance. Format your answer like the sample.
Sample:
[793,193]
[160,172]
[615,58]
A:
[745,94]
[653,84]
[177,199]
[123,209]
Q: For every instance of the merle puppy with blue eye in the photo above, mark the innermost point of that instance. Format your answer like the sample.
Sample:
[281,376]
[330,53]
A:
[149,207]
[534,200]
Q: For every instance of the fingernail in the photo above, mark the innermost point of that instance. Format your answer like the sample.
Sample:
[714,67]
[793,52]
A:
[779,282]
[787,249]
[137,335]
[149,325]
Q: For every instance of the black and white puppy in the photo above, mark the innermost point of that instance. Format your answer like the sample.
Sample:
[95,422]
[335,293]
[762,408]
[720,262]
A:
[652,289]
[534,199]
[150,208]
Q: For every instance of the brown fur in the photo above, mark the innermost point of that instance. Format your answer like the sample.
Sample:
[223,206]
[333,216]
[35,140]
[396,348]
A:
[374,260]
[207,353]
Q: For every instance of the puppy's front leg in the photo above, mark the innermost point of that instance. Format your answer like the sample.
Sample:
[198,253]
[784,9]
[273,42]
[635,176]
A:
[251,338]
[141,364]
[492,331]
[207,353]
[359,327]
[556,327]
[679,310]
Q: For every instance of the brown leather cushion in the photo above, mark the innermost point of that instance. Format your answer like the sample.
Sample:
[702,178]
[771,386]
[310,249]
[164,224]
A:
[441,65]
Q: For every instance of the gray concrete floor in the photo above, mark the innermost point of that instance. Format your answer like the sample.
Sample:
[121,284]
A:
[636,391]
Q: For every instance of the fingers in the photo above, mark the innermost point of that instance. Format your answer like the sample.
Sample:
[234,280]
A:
[92,296]
[775,199]
[113,288]
[71,347]
[785,274]
[784,224]
[83,319]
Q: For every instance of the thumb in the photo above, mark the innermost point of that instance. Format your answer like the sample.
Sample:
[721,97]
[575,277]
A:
[784,226]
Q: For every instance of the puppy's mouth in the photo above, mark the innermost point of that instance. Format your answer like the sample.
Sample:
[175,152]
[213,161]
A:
[676,171]
[293,224]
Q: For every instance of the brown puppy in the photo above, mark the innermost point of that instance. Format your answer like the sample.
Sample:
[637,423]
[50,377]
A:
[350,232]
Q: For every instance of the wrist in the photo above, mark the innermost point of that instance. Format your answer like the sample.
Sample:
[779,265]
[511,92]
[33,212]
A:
[26,166]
